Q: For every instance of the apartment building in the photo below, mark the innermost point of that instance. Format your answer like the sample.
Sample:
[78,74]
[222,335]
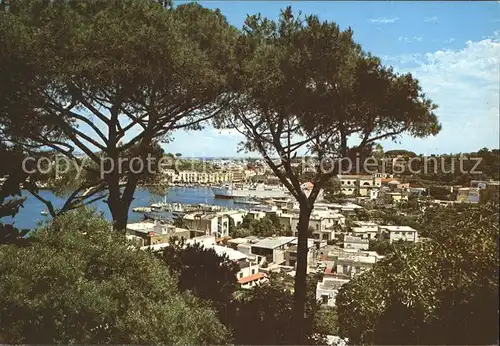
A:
[328,288]
[365,229]
[291,253]
[216,224]
[358,243]
[150,233]
[323,222]
[397,233]
[272,249]
[352,185]
[194,177]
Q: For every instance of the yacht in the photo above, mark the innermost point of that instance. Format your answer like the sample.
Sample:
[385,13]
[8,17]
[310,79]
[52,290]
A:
[228,190]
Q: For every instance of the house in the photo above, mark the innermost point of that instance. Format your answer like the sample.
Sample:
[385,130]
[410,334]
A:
[351,185]
[469,195]
[291,253]
[417,191]
[396,233]
[351,242]
[391,197]
[323,223]
[271,250]
[216,224]
[347,262]
[153,233]
[236,215]
[355,262]
[252,280]
[365,229]
[328,288]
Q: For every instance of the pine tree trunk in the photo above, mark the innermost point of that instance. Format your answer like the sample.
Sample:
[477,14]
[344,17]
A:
[301,274]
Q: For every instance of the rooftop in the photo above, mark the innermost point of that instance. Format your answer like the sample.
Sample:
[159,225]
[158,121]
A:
[238,241]
[354,176]
[274,242]
[351,239]
[365,223]
[331,283]
[361,230]
[247,279]
[398,228]
[233,255]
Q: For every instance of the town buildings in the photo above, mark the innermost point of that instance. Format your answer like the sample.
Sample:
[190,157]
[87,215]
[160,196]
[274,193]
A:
[216,224]
[397,233]
[358,185]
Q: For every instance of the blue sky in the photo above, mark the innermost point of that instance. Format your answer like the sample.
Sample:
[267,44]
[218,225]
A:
[453,48]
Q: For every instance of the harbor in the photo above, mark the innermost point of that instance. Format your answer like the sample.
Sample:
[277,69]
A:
[31,215]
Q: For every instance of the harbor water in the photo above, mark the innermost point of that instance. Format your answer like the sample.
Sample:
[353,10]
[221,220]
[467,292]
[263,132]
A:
[30,216]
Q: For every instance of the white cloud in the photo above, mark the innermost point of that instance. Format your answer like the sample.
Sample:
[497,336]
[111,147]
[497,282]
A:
[463,82]
[431,19]
[410,39]
[450,40]
[383,20]
[465,85]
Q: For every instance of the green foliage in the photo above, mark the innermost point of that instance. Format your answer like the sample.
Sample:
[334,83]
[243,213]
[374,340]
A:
[202,272]
[442,291]
[267,226]
[77,282]
[264,314]
[383,247]
[171,72]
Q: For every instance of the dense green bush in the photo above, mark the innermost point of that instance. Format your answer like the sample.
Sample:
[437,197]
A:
[79,282]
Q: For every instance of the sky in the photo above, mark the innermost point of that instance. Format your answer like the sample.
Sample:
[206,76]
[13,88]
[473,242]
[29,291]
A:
[453,48]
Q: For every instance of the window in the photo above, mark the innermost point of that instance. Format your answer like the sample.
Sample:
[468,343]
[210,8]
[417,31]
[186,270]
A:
[253,271]
[241,275]
[324,298]
[317,226]
[348,182]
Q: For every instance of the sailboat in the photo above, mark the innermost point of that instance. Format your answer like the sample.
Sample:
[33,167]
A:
[160,205]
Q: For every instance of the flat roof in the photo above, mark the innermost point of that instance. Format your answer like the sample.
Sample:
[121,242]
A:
[141,226]
[238,240]
[273,242]
[362,230]
[247,279]
[232,254]
[365,223]
[352,239]
[398,228]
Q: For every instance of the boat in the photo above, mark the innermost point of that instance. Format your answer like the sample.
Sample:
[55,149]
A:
[245,201]
[141,210]
[44,212]
[253,191]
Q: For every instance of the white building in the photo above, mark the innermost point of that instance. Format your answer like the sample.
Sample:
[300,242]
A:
[396,233]
[216,224]
[323,223]
[351,185]
[272,249]
[365,229]
[195,177]
[358,243]
[291,253]
[327,290]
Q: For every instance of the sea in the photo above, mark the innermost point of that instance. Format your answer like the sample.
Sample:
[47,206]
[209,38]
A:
[29,217]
